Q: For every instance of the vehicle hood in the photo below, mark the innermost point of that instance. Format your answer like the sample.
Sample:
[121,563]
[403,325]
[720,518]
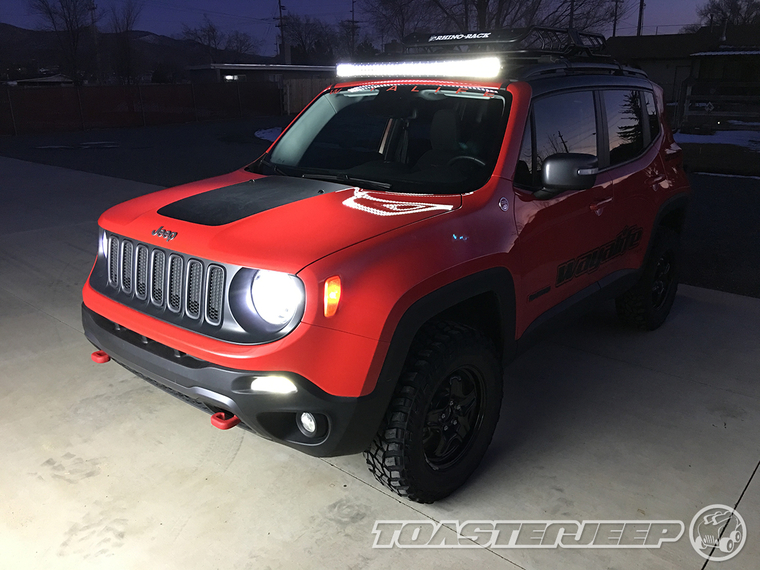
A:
[269,222]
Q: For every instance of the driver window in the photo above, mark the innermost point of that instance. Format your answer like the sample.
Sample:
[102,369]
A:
[563,123]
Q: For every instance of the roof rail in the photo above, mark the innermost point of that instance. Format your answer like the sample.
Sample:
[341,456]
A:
[569,67]
[538,40]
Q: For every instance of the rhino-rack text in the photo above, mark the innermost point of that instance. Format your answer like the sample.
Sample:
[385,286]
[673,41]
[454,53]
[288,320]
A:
[629,238]
[480,36]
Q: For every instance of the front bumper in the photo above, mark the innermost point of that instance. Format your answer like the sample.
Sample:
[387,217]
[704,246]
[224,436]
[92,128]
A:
[351,422]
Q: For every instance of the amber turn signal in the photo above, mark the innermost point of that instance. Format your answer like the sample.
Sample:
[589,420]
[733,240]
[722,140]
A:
[332,295]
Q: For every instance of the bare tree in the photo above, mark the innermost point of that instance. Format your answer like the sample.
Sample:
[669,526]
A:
[304,32]
[124,18]
[208,35]
[479,15]
[736,12]
[311,40]
[241,43]
[122,21]
[395,19]
[620,9]
[69,19]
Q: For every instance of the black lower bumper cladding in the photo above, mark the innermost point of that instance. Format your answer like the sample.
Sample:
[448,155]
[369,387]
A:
[217,389]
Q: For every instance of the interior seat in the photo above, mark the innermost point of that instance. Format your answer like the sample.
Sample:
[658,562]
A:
[444,139]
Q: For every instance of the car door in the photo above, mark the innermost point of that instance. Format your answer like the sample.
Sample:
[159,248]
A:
[560,239]
[633,161]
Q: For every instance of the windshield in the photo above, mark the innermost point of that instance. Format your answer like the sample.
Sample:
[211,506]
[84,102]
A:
[426,139]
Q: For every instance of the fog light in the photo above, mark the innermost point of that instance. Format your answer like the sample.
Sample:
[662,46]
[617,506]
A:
[273,385]
[307,423]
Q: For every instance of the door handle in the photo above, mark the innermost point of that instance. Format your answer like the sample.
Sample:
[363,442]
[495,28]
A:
[597,206]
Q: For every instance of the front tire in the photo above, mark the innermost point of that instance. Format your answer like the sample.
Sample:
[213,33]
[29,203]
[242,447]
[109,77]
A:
[443,415]
[648,303]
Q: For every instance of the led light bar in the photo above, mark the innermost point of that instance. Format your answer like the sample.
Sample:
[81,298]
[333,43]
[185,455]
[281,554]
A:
[480,68]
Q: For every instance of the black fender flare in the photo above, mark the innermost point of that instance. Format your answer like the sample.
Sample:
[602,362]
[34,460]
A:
[496,280]
[676,202]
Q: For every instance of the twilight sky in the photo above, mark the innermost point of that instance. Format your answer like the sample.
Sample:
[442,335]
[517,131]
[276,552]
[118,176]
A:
[257,17]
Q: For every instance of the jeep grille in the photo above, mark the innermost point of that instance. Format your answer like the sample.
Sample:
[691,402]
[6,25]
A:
[215,294]
[157,277]
[141,288]
[194,288]
[127,251]
[113,261]
[174,281]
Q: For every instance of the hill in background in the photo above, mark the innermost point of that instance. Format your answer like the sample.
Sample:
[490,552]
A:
[27,54]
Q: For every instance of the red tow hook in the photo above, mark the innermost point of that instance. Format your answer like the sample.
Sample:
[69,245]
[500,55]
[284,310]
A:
[100,357]
[224,420]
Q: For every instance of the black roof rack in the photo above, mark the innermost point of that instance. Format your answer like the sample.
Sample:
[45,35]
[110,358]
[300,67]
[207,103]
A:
[535,41]
[533,51]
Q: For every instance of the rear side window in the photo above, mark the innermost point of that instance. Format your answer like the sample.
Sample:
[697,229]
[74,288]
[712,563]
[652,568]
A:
[624,127]
[563,123]
[652,115]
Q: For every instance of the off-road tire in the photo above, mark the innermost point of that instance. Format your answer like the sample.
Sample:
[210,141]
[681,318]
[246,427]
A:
[648,303]
[413,453]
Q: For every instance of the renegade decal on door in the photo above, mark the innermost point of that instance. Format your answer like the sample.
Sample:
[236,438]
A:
[629,238]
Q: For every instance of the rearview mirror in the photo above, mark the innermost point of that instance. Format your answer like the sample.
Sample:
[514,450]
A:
[567,171]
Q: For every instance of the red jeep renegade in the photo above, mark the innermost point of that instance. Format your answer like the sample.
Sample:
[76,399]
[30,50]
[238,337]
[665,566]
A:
[361,285]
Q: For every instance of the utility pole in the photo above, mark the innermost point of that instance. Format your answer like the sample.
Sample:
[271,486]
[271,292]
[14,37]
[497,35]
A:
[353,26]
[572,12]
[562,140]
[641,17]
[282,32]
[615,18]
[94,30]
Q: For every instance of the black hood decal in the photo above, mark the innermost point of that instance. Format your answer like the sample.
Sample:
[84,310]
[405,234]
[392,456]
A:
[232,203]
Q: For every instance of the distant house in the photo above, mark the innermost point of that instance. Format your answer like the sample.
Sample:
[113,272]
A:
[665,58]
[225,72]
[43,81]
[711,77]
[298,84]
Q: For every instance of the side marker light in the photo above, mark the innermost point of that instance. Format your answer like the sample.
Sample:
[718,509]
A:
[332,295]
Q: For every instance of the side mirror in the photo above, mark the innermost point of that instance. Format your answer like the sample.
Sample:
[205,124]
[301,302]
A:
[567,171]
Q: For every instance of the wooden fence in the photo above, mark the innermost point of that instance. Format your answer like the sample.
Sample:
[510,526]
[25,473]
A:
[46,109]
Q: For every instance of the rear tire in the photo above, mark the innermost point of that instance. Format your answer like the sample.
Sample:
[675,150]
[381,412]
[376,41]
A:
[648,303]
[442,416]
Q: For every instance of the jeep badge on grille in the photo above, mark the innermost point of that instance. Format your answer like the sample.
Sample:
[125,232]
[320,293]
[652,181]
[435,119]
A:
[166,234]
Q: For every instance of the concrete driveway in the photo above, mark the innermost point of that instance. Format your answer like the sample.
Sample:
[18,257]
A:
[101,470]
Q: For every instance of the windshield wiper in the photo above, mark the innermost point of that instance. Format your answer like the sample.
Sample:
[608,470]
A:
[264,160]
[363,182]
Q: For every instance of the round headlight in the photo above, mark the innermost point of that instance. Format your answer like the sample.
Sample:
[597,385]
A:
[276,296]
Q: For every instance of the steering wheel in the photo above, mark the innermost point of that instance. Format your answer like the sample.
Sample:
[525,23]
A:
[466,157]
